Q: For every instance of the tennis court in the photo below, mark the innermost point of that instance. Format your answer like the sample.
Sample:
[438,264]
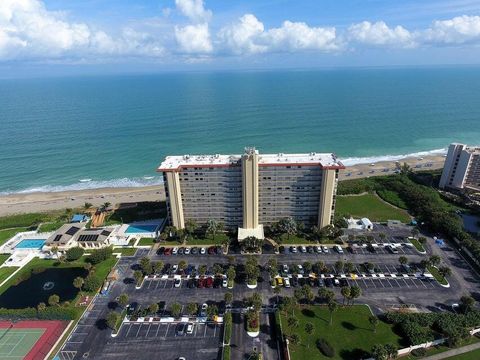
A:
[15,344]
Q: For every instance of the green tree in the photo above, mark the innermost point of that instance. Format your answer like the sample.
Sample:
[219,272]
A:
[373,320]
[228,297]
[53,300]
[112,319]
[355,292]
[345,293]
[202,269]
[78,283]
[212,310]
[435,260]
[87,205]
[182,265]
[339,266]
[288,226]
[190,228]
[292,322]
[212,227]
[255,301]
[146,265]
[445,271]
[138,276]
[92,283]
[349,267]
[294,339]
[307,266]
[289,304]
[466,303]
[191,308]
[153,308]
[332,307]
[391,350]
[319,267]
[272,266]
[41,306]
[309,329]
[123,300]
[74,253]
[379,352]
[307,293]
[403,260]
[175,309]
[326,295]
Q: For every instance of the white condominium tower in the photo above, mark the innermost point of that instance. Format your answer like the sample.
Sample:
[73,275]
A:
[462,168]
[250,190]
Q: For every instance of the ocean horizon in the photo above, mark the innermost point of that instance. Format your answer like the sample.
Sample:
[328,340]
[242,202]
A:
[79,133]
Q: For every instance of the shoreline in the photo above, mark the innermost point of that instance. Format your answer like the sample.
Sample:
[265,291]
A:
[17,203]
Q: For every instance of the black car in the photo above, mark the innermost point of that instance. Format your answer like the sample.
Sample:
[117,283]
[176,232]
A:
[181,251]
[343,282]
[320,282]
[160,250]
[328,282]
[371,248]
[294,281]
[310,249]
[219,250]
[166,268]
[312,282]
[191,283]
[180,329]
[194,251]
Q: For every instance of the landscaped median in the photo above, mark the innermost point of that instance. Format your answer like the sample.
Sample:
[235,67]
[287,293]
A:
[227,321]
[252,319]
[438,276]
[418,245]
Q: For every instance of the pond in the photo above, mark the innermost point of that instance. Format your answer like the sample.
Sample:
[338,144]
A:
[37,288]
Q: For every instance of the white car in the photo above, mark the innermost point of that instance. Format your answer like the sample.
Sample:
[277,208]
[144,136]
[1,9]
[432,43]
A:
[203,251]
[174,268]
[187,251]
[293,249]
[190,328]
[285,268]
[175,250]
[339,249]
[177,283]
[286,281]
[318,249]
[224,283]
[300,269]
[325,249]
[303,249]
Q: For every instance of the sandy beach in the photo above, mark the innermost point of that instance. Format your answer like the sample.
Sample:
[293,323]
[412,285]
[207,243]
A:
[38,201]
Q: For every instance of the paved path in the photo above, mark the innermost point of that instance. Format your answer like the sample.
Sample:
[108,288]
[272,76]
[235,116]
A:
[453,352]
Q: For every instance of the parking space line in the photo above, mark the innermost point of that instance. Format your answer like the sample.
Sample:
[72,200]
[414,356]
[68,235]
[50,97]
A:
[156,286]
[138,330]
[166,332]
[159,326]
[129,328]
[205,332]
[149,326]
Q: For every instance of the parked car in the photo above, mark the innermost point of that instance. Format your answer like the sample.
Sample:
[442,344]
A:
[187,251]
[175,251]
[194,251]
[336,282]
[328,282]
[168,251]
[303,249]
[190,328]
[201,283]
[339,249]
[160,250]
[211,250]
[209,282]
[300,269]
[181,250]
[218,250]
[174,268]
[318,249]
[203,251]
[343,282]
[320,282]
[324,249]
[224,283]
[285,268]
[352,249]
[203,309]
[371,248]
[293,249]
[294,281]
[180,329]
[310,249]
[177,283]
[287,282]
[391,249]
[279,281]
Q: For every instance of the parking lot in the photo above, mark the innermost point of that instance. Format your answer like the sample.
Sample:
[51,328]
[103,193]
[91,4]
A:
[163,331]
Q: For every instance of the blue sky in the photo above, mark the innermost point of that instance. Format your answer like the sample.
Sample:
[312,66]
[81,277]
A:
[51,37]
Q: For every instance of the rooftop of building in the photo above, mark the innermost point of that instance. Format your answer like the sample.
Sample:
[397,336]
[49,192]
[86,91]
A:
[469,148]
[326,160]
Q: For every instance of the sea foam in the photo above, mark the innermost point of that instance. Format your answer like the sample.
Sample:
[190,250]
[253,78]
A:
[350,161]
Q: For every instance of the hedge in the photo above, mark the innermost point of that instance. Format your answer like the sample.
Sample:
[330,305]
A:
[74,253]
[49,313]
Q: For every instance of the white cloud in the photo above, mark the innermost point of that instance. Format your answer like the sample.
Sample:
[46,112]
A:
[380,34]
[243,37]
[194,39]
[459,30]
[248,36]
[29,30]
[194,10]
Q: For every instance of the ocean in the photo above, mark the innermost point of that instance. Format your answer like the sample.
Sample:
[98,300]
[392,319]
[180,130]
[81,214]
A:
[113,131]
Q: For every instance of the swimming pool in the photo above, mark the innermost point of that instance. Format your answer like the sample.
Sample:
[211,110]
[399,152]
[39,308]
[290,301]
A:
[135,229]
[30,244]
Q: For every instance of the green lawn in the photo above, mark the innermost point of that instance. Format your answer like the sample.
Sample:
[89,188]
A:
[5,272]
[369,206]
[434,271]
[208,240]
[32,219]
[9,233]
[126,251]
[442,348]
[472,355]
[3,258]
[417,244]
[146,242]
[293,239]
[52,226]
[351,334]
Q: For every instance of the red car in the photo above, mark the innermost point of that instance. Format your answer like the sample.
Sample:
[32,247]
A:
[211,250]
[201,283]
[209,282]
[168,251]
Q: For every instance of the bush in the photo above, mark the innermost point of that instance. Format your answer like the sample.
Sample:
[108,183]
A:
[92,283]
[49,313]
[325,347]
[419,352]
[99,255]
[74,253]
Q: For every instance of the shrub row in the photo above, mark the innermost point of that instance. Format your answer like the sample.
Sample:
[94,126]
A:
[49,313]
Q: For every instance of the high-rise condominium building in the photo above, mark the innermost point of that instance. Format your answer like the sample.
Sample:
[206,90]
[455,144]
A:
[462,167]
[250,190]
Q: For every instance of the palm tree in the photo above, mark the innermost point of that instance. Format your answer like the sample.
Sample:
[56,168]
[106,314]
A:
[309,329]
[288,226]
[292,322]
[403,260]
[445,271]
[228,298]
[374,322]
[345,293]
[212,227]
[105,206]
[123,300]
[54,250]
[78,283]
[435,260]
[190,227]
[391,350]
[87,206]
[355,292]
[332,307]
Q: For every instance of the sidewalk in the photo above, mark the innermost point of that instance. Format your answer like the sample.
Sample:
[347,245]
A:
[453,352]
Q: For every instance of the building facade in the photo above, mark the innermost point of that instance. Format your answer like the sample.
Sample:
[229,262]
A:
[462,168]
[252,189]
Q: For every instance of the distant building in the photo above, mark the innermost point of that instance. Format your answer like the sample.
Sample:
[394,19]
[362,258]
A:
[462,168]
[360,224]
[250,190]
[75,234]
